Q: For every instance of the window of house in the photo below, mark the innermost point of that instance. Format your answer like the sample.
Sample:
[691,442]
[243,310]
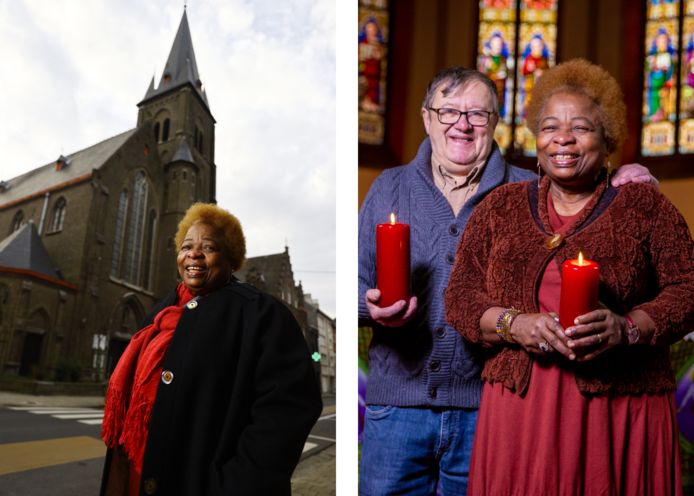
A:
[58,215]
[119,233]
[373,63]
[517,41]
[668,81]
[17,221]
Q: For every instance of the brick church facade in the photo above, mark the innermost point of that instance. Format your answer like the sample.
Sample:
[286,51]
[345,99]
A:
[86,242]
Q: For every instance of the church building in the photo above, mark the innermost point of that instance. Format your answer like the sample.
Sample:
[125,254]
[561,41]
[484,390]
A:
[86,241]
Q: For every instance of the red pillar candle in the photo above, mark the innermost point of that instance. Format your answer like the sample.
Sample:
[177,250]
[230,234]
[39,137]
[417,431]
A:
[393,261]
[579,289]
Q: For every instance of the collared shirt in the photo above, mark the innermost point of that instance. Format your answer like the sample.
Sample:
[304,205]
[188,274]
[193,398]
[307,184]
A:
[457,190]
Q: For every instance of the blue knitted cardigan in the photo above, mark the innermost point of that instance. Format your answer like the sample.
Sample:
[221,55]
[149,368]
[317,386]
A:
[425,362]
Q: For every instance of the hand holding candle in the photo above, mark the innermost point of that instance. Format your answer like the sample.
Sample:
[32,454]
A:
[393,261]
[579,289]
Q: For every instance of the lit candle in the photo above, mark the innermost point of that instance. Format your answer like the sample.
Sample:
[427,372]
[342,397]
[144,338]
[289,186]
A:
[393,261]
[579,289]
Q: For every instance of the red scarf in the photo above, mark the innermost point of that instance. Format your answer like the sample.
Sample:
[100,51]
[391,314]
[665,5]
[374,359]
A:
[133,384]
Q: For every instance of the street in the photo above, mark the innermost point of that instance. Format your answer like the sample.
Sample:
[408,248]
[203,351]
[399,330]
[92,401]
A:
[56,450]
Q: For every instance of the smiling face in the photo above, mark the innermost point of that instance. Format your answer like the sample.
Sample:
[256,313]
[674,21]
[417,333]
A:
[201,263]
[570,141]
[460,147]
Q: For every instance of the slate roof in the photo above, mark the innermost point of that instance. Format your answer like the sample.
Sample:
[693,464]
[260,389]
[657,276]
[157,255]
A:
[183,154]
[23,249]
[75,165]
[181,67]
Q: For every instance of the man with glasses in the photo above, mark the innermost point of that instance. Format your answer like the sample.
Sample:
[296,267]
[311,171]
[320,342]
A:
[424,381]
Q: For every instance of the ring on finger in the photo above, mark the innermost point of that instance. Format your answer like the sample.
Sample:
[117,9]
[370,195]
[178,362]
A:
[544,346]
[599,336]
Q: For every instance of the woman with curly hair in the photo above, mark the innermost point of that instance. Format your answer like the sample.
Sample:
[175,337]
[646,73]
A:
[216,393]
[587,408]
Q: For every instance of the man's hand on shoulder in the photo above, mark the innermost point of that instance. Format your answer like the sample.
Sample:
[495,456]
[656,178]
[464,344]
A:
[633,173]
[396,315]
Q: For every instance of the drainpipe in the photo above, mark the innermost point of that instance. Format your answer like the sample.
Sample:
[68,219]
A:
[43,211]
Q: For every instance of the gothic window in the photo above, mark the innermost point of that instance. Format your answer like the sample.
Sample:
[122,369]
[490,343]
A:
[17,221]
[516,43]
[165,130]
[58,215]
[156,132]
[197,138]
[119,232]
[135,230]
[149,253]
[668,84]
[373,62]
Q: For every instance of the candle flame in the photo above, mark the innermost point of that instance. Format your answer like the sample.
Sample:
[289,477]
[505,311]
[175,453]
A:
[580,258]
[392,218]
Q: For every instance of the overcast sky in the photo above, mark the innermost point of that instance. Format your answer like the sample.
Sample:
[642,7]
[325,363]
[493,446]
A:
[74,70]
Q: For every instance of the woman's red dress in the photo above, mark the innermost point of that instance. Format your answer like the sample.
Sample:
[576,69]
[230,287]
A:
[556,441]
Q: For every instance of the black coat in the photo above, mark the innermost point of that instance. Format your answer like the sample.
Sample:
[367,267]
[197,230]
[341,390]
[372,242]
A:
[242,401]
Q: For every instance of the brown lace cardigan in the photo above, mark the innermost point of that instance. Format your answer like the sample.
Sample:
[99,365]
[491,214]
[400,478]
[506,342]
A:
[646,258]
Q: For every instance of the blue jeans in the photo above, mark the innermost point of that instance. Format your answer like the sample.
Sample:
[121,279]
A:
[415,450]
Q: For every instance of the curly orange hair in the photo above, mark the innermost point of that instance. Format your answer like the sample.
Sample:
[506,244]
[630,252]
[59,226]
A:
[227,226]
[579,76]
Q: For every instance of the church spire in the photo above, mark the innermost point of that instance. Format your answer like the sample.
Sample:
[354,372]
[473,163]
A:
[181,67]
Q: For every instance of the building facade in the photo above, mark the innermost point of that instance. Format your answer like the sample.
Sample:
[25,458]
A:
[99,226]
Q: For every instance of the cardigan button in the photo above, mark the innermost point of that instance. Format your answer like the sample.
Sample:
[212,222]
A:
[150,485]
[435,366]
[453,230]
[450,258]
[440,332]
[167,377]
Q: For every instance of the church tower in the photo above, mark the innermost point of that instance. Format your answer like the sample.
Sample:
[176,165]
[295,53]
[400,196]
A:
[183,127]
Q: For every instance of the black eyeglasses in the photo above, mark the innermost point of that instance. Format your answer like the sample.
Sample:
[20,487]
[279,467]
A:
[452,116]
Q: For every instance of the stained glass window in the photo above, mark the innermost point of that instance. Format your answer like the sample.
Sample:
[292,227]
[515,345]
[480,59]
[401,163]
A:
[668,84]
[373,61]
[517,41]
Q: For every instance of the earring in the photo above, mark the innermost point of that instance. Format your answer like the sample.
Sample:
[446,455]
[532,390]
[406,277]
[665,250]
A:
[609,170]
[539,174]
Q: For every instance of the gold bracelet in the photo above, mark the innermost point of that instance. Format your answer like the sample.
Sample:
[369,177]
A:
[503,323]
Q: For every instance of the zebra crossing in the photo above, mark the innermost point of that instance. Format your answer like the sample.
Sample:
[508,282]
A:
[95,416]
[88,416]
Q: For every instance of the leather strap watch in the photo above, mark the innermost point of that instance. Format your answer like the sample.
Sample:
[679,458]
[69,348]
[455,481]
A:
[632,332]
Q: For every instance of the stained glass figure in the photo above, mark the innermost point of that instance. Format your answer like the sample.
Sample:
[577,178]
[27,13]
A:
[373,50]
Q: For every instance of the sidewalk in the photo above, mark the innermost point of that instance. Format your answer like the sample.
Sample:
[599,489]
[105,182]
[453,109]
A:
[314,476]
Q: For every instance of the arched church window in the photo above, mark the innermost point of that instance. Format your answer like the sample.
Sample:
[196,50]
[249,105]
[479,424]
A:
[149,253]
[373,63]
[165,131]
[156,131]
[17,221]
[119,232]
[58,215]
[516,43]
[667,114]
[135,230]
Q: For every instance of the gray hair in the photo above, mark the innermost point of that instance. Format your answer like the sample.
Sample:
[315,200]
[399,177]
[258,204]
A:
[453,77]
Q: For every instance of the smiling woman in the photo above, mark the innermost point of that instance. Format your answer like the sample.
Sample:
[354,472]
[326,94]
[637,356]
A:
[216,393]
[591,381]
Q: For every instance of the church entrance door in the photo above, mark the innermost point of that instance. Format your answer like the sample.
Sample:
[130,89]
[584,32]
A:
[31,354]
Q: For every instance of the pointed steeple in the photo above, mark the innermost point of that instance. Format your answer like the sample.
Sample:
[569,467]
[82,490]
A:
[181,67]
